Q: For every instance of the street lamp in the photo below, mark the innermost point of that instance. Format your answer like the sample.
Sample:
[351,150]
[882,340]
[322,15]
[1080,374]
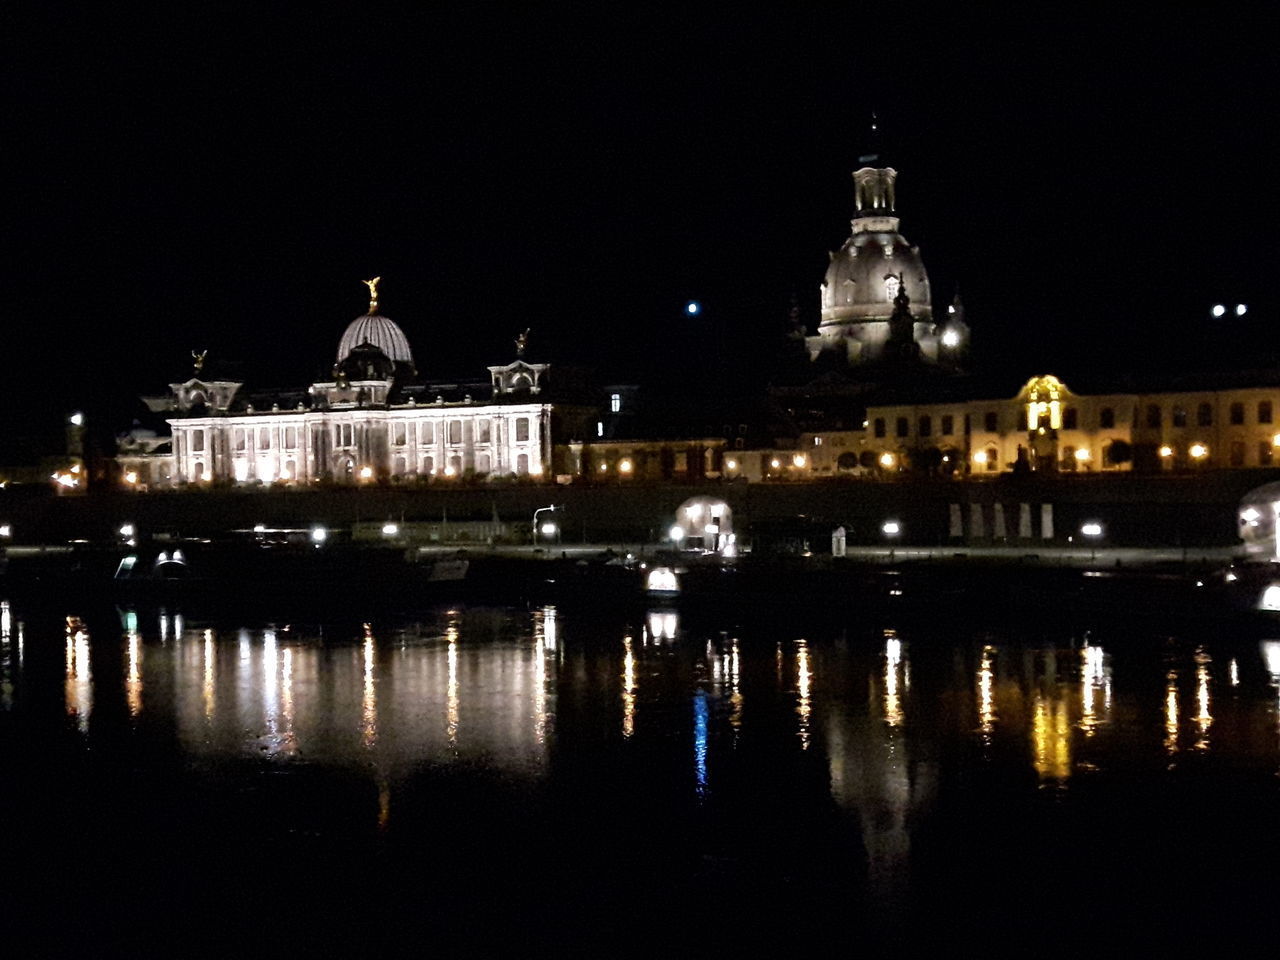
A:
[545,532]
[1092,530]
[891,529]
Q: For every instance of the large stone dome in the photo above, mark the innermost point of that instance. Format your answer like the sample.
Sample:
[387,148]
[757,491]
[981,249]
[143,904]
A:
[381,332]
[862,280]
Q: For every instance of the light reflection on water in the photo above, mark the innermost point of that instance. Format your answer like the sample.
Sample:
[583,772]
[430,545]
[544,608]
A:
[886,715]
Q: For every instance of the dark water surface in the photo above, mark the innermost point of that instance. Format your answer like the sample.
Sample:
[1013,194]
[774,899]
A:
[569,780]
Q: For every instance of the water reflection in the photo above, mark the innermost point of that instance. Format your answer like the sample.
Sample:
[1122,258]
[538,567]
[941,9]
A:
[1203,716]
[628,688]
[79,683]
[6,656]
[1171,713]
[803,676]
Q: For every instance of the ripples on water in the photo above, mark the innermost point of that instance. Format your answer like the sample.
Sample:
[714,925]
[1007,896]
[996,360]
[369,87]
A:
[944,777]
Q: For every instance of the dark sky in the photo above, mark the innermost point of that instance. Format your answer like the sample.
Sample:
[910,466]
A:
[223,177]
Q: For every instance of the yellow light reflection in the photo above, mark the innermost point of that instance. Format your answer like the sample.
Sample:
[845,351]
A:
[1204,718]
[79,683]
[628,688]
[206,686]
[803,677]
[288,739]
[1171,713]
[133,684]
[892,661]
[451,702]
[735,691]
[1094,677]
[369,700]
[1234,672]
[540,645]
[1051,739]
[986,707]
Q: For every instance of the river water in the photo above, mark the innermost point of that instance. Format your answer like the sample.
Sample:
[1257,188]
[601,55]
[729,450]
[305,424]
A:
[613,781]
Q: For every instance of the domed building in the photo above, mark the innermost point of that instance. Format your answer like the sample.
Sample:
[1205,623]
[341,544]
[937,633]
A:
[875,272]
[375,330]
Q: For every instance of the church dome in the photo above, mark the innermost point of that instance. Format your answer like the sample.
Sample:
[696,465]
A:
[365,361]
[381,332]
[862,280]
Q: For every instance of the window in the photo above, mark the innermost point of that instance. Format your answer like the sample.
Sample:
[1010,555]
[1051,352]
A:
[1264,411]
[1068,457]
[903,428]
[197,441]
[615,403]
[1237,414]
[1106,418]
[993,457]
[239,435]
[1022,418]
[198,475]
[399,435]
[455,465]
[879,427]
[1204,415]
[483,432]
[398,467]
[817,441]
[1153,415]
[483,463]
[428,466]
[926,426]
[291,437]
[948,424]
[1237,453]
[264,438]
[455,431]
[1179,416]
[991,421]
[522,431]
[290,470]
[427,433]
[1264,453]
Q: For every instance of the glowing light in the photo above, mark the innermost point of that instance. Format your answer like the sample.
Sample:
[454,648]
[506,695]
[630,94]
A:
[1166,451]
[604,468]
[536,471]
[799,460]
[1270,598]
[1092,529]
[1204,719]
[449,471]
[65,480]
[259,528]
[986,700]
[1218,310]
[319,534]
[693,308]
[733,464]
[980,457]
[677,533]
[131,477]
[6,530]
[624,466]
[390,529]
[950,338]
[775,463]
[77,419]
[127,530]
[1275,441]
[662,580]
[891,528]
[804,707]
[892,703]
[1171,713]
[548,529]
[366,473]
[1241,309]
[628,689]
[1083,454]
[1199,451]
[887,460]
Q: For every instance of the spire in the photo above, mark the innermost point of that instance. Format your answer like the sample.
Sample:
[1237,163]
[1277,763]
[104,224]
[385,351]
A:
[872,156]
[373,294]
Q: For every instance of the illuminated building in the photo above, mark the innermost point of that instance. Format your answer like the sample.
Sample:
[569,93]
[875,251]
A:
[375,419]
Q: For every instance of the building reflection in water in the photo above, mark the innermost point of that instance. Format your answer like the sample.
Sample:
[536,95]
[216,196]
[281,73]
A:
[700,741]
[7,656]
[1204,718]
[369,697]
[133,680]
[986,699]
[1271,657]
[1171,713]
[79,674]
[662,625]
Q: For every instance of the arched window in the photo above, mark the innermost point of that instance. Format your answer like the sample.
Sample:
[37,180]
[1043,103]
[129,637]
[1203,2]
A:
[264,438]
[483,463]
[1204,415]
[398,467]
[428,466]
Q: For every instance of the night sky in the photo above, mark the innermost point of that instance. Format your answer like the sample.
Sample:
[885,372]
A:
[223,178]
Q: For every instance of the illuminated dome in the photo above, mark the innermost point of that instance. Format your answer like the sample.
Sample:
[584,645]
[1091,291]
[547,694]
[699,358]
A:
[381,332]
[862,280]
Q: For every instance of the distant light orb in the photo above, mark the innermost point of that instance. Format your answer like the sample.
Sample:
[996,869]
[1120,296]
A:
[799,460]
[1218,310]
[1199,451]
[77,419]
[950,338]
[319,534]
[887,460]
[732,464]
[677,533]
[1241,309]
[1092,529]
[390,529]
[1083,454]
[127,530]
[259,528]
[891,528]
[366,473]
[548,529]
[693,308]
